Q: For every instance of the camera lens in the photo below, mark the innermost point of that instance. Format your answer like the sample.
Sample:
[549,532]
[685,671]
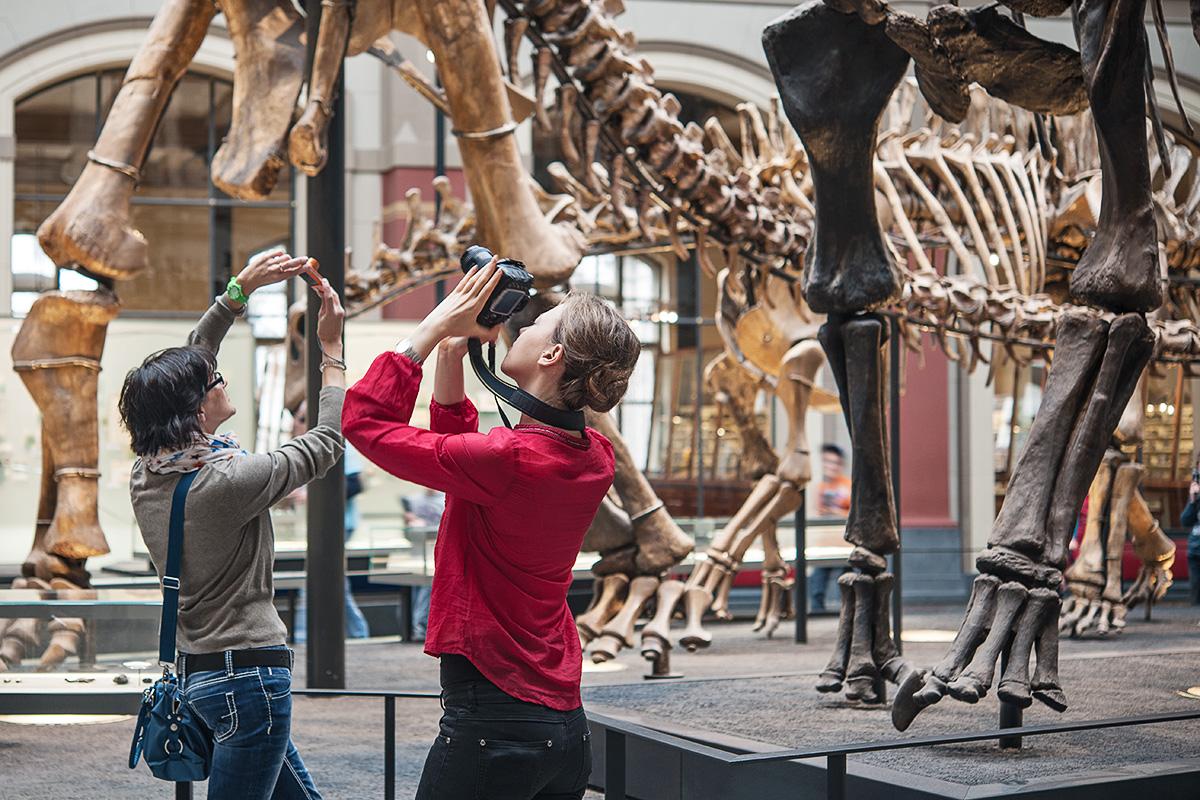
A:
[475,256]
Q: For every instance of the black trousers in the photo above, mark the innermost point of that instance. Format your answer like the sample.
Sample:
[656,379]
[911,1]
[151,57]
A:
[492,746]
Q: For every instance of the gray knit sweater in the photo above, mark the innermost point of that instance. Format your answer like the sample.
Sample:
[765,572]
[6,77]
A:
[226,593]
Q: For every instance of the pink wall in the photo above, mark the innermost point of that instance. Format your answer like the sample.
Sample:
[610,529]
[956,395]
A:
[396,182]
[925,427]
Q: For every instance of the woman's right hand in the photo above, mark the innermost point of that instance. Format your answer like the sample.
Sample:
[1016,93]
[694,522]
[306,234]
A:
[330,320]
[1193,491]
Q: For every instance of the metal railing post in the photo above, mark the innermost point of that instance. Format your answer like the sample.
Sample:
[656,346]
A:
[614,765]
[389,748]
[1011,715]
[801,581]
[835,776]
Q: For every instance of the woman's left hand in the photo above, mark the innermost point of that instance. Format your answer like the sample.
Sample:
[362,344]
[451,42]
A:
[456,315]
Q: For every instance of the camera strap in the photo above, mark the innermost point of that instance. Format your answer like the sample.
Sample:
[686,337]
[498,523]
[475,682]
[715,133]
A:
[516,397]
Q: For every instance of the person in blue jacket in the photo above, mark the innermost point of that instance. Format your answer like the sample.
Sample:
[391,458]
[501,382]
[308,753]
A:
[1190,519]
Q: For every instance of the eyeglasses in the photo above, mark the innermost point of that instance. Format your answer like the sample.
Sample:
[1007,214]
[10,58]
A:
[217,380]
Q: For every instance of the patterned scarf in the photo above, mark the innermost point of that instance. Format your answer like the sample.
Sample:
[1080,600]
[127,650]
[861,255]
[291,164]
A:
[205,451]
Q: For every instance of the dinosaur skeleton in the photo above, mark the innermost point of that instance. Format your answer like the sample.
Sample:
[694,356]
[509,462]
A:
[1116,507]
[634,177]
[857,52]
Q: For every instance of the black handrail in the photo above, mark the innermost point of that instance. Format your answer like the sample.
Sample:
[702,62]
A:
[618,731]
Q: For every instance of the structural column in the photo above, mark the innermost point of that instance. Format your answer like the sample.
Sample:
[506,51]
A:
[325,220]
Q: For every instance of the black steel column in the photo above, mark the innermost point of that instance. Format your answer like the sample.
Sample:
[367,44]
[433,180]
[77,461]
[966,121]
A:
[614,765]
[326,562]
[389,748]
[801,582]
[835,777]
[894,405]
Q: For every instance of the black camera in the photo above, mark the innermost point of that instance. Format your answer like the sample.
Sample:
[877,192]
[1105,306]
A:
[510,296]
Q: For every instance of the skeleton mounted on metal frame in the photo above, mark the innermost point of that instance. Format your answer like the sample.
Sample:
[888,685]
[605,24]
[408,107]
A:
[858,52]
[633,174]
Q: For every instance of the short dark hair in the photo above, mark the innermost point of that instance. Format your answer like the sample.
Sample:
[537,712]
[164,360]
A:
[833,448]
[160,400]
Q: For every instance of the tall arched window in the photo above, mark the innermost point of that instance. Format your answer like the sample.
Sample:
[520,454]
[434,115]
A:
[196,233]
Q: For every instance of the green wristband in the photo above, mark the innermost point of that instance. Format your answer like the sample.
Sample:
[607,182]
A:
[234,290]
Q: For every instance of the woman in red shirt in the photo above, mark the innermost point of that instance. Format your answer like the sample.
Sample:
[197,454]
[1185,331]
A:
[518,503]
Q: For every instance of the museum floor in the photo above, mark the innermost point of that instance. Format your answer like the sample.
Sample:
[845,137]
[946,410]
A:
[744,687]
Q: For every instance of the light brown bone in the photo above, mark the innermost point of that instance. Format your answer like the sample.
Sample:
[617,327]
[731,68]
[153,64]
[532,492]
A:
[612,594]
[93,226]
[508,219]
[306,142]
[618,632]
[57,354]
[656,634]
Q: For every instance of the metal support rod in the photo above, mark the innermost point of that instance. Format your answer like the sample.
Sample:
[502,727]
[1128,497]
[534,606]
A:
[614,765]
[693,265]
[389,748]
[1011,716]
[835,777]
[325,563]
[801,582]
[439,169]
[183,791]
[894,421]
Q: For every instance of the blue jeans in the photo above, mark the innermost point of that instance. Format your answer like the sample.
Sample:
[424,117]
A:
[420,611]
[356,623]
[248,712]
[818,582]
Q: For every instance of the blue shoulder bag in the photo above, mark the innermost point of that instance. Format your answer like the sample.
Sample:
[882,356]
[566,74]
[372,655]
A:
[176,746]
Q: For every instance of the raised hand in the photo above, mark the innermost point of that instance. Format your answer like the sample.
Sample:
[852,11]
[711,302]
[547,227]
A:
[271,266]
[330,320]
[456,315]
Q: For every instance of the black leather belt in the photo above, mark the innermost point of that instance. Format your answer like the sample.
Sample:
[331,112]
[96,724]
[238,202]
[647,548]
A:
[209,662]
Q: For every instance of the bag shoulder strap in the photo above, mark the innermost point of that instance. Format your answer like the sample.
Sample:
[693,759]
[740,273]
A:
[170,580]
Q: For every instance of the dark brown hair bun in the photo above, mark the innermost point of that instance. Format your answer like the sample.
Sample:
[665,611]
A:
[601,352]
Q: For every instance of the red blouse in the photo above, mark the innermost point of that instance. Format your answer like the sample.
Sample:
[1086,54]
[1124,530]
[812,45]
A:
[518,503]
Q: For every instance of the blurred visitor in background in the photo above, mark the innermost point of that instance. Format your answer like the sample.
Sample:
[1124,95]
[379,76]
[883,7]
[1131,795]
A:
[356,623]
[833,501]
[423,511]
[1191,520]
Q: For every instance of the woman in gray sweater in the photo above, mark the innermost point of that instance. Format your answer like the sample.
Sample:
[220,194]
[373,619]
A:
[234,664]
